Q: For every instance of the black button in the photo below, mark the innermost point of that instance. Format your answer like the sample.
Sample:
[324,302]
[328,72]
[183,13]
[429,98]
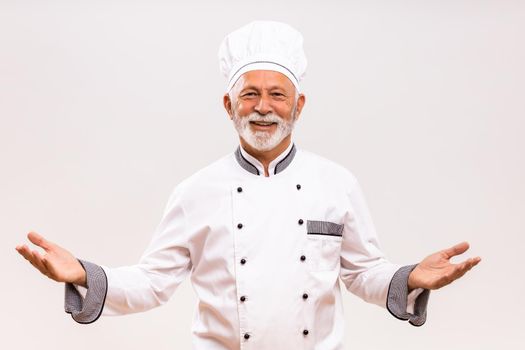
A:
[243,298]
[246,336]
[303,258]
[298,186]
[243,261]
[305,296]
[301,221]
[239,226]
[305,332]
[239,189]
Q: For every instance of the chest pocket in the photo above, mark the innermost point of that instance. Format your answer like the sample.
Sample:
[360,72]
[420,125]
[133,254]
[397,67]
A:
[323,245]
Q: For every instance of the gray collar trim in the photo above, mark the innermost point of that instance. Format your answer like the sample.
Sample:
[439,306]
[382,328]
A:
[243,162]
[279,167]
[283,163]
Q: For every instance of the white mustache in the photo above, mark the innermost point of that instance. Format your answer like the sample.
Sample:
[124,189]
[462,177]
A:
[268,118]
[262,140]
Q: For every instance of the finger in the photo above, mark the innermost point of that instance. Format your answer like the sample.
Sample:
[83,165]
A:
[51,272]
[469,263]
[38,261]
[474,261]
[28,255]
[39,240]
[25,252]
[33,257]
[456,250]
[464,267]
[460,271]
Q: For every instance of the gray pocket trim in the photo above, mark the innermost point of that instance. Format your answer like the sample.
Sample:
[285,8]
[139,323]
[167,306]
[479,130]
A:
[326,228]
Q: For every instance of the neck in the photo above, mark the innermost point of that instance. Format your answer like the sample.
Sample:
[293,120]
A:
[266,157]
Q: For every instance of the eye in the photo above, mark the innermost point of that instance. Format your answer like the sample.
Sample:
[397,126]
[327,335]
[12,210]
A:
[249,94]
[278,96]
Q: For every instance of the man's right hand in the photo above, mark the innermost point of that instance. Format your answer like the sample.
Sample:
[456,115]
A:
[57,263]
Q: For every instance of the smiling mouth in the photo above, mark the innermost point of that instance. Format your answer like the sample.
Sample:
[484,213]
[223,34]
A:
[262,123]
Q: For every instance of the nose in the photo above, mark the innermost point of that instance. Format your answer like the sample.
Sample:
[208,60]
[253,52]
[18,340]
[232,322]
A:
[263,106]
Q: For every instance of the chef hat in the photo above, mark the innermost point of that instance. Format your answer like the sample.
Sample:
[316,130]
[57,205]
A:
[263,45]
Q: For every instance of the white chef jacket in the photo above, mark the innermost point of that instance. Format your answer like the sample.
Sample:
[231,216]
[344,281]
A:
[265,254]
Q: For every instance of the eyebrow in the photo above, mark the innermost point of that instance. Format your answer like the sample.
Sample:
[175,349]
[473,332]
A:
[273,87]
[249,87]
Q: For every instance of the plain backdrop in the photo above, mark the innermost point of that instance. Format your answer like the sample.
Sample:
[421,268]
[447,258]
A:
[106,105]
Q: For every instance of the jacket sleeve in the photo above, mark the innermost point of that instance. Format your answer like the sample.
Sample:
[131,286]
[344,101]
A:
[404,305]
[150,283]
[367,273]
[85,306]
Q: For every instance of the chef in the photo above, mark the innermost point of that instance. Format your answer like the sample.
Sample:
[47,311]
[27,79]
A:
[267,233]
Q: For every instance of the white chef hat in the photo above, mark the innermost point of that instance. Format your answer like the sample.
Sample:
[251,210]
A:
[263,45]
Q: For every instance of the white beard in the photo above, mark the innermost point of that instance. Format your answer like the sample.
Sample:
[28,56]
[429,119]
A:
[263,140]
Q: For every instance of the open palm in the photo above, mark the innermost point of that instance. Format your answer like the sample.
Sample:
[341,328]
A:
[57,263]
[436,270]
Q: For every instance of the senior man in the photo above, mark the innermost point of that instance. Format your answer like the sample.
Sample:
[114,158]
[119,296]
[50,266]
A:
[266,233]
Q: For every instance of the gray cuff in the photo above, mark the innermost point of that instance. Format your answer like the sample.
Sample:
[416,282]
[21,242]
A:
[88,309]
[397,298]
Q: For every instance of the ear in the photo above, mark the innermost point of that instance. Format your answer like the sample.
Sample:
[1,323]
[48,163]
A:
[227,102]
[300,104]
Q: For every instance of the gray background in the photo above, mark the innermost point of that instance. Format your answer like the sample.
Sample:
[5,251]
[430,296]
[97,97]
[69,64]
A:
[106,105]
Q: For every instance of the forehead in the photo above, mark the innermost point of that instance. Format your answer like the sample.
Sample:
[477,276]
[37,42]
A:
[264,79]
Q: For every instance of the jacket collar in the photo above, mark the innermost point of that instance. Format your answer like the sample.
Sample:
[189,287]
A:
[252,165]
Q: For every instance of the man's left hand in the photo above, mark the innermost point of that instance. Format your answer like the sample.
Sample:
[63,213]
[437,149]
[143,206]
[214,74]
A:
[436,270]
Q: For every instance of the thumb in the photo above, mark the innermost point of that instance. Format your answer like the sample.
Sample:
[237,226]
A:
[459,248]
[39,240]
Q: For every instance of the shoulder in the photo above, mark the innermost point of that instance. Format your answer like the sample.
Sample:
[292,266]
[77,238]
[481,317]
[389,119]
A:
[327,169]
[206,179]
